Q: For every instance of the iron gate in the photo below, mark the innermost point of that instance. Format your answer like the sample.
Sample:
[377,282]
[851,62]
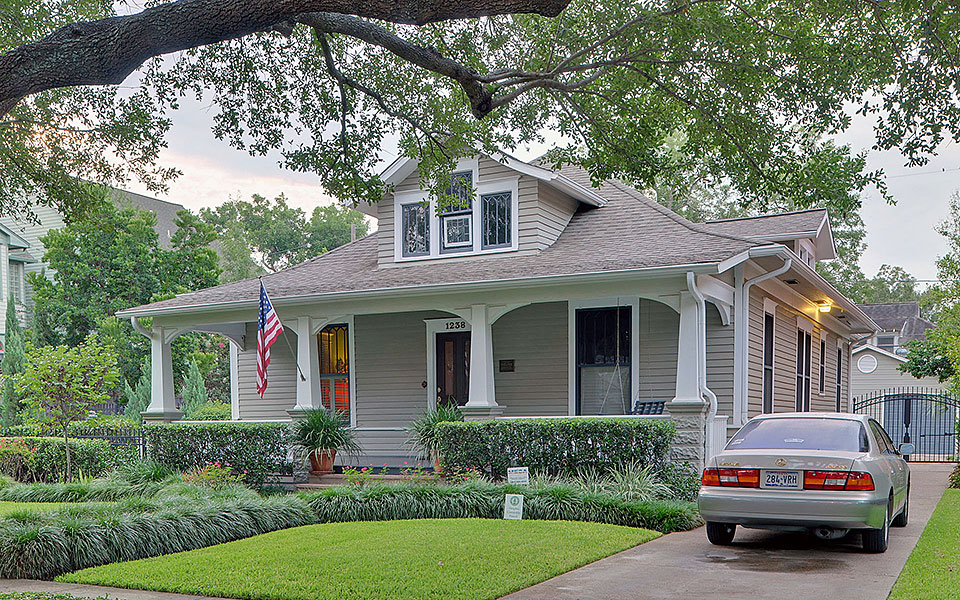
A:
[925,417]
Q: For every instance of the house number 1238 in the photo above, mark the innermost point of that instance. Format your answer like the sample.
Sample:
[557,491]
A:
[456,324]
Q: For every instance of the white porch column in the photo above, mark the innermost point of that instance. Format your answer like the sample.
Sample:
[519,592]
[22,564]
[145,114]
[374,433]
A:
[482,403]
[308,358]
[688,408]
[163,404]
[688,352]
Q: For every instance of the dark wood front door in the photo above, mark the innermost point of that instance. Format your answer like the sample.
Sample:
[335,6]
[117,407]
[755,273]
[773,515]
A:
[453,368]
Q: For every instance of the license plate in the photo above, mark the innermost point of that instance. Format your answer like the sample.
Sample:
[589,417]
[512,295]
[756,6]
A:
[781,479]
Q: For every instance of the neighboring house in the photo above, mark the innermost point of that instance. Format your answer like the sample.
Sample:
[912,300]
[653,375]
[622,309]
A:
[878,358]
[21,251]
[900,324]
[539,296]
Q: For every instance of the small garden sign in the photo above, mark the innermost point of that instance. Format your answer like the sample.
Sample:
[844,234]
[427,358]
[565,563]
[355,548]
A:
[518,475]
[513,507]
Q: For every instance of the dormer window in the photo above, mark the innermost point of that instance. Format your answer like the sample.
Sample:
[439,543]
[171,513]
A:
[481,219]
[456,221]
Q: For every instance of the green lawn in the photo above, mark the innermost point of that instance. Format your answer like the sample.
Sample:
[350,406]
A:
[933,569]
[429,558]
[7,508]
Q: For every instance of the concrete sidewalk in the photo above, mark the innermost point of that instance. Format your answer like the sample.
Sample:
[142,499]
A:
[760,565]
[88,591]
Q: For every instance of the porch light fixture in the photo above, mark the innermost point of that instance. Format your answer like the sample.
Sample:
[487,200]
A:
[824,306]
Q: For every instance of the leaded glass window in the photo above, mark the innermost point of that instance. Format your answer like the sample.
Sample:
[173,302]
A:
[461,188]
[416,229]
[495,218]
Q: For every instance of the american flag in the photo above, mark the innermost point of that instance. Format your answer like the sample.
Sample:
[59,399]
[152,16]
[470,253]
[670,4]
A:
[269,329]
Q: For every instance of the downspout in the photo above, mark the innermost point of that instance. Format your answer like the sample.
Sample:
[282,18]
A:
[702,359]
[742,325]
[140,328]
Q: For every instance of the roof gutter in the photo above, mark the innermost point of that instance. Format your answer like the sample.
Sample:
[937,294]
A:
[415,290]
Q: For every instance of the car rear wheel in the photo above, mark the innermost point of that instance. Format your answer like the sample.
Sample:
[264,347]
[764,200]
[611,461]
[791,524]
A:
[721,534]
[875,540]
[904,516]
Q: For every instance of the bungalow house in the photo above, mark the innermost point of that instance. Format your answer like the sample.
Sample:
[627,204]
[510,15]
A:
[539,295]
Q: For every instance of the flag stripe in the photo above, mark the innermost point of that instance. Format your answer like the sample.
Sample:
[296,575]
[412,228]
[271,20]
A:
[269,329]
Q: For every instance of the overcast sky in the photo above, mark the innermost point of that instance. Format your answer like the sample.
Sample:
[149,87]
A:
[900,234]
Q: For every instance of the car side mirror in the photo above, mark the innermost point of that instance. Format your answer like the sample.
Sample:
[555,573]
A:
[907,449]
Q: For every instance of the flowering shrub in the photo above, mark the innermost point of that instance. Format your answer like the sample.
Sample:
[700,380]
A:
[213,475]
[363,475]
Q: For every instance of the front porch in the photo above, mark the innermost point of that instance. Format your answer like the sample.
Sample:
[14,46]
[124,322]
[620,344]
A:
[638,349]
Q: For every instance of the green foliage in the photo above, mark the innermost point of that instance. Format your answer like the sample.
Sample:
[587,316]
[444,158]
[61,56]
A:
[423,430]
[215,475]
[484,500]
[931,570]
[43,459]
[554,446]
[256,449]
[138,398]
[44,596]
[279,235]
[194,391]
[926,359]
[13,356]
[172,517]
[891,284]
[211,411]
[955,478]
[320,430]
[60,385]
[468,559]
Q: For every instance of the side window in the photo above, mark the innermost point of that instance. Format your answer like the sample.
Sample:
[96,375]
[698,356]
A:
[883,442]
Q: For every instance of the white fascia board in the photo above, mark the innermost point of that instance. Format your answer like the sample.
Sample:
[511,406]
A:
[879,351]
[568,186]
[826,246]
[816,279]
[413,290]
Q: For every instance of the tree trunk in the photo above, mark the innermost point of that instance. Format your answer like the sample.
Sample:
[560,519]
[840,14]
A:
[66,447]
[106,51]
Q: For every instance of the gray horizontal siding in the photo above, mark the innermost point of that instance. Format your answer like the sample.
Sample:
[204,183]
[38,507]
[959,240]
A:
[535,338]
[720,360]
[659,335]
[281,393]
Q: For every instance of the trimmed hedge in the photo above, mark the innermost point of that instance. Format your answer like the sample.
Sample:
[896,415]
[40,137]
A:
[44,459]
[554,446]
[481,500]
[254,450]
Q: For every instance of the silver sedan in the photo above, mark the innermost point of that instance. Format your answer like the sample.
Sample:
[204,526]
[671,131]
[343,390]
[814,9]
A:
[827,473]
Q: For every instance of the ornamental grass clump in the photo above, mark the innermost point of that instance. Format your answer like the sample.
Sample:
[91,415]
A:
[483,499]
[175,517]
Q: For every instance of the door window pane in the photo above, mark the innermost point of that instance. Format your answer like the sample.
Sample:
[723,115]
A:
[496,219]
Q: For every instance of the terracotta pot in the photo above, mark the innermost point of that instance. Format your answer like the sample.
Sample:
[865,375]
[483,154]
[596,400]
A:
[321,462]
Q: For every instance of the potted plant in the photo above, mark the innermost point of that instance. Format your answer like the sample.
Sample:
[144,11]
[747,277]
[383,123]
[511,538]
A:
[423,432]
[320,434]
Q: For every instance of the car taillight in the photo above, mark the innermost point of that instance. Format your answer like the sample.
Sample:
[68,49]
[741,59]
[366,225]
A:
[837,480]
[710,477]
[862,482]
[749,478]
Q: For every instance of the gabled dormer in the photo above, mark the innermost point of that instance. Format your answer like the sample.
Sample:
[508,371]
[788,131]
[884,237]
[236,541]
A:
[507,207]
[806,232]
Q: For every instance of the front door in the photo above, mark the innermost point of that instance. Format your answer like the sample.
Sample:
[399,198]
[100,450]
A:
[453,368]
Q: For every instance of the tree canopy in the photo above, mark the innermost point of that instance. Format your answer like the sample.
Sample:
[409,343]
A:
[747,90]
[264,235]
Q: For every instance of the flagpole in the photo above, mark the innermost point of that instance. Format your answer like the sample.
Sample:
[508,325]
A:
[296,360]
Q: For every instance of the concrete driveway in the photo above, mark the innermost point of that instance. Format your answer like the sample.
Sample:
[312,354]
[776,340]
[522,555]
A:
[759,564]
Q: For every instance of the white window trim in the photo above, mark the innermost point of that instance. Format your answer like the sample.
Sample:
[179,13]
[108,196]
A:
[805,324]
[351,356]
[769,308]
[435,326]
[491,186]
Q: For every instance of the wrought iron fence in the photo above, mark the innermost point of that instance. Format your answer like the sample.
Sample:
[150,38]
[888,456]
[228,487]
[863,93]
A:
[926,417]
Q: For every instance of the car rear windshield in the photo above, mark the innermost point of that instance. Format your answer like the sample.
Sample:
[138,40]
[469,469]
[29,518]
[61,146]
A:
[801,434]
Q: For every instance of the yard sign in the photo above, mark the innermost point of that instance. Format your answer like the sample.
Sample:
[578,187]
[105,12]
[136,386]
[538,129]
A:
[518,475]
[513,507]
